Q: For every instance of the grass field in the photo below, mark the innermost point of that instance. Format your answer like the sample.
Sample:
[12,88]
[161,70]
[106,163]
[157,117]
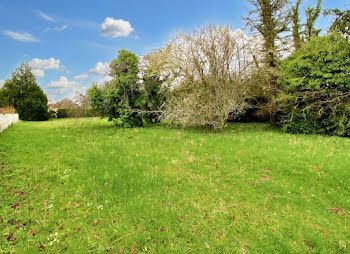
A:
[86,186]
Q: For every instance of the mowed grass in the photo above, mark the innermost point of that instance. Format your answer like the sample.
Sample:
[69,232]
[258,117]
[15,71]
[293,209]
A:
[86,186]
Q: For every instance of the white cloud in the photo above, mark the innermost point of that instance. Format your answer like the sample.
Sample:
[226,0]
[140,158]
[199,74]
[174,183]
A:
[40,65]
[2,82]
[63,88]
[58,94]
[116,28]
[58,28]
[100,69]
[62,82]
[45,64]
[104,79]
[38,73]
[44,16]
[24,37]
[81,76]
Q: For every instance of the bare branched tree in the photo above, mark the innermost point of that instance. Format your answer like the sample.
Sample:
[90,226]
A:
[206,70]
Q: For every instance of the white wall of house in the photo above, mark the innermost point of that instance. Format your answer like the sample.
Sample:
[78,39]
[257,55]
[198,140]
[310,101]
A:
[7,120]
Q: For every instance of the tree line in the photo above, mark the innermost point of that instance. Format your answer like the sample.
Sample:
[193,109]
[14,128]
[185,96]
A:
[283,72]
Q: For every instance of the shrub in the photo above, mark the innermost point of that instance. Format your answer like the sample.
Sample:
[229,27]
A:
[62,113]
[316,88]
[52,114]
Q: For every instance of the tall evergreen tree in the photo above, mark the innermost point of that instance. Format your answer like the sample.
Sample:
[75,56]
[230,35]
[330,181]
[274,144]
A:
[23,93]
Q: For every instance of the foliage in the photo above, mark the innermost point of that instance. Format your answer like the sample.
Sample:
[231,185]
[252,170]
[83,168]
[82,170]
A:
[270,18]
[154,96]
[62,113]
[2,99]
[121,98]
[125,66]
[82,112]
[23,93]
[296,27]
[52,114]
[82,186]
[341,23]
[316,87]
[312,15]
[73,113]
[258,95]
[96,100]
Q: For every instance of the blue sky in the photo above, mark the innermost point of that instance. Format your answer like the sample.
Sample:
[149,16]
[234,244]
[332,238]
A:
[69,43]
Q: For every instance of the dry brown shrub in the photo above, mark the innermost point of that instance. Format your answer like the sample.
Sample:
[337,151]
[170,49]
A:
[7,110]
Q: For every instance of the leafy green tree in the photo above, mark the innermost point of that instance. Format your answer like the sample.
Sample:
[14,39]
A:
[125,66]
[126,87]
[96,100]
[23,93]
[316,84]
[121,99]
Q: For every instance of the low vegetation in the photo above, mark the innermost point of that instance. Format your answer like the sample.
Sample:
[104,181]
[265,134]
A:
[83,185]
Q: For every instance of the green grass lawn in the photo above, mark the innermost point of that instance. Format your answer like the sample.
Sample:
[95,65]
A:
[86,186]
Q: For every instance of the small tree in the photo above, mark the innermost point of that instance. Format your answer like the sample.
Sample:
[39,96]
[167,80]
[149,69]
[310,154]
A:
[23,93]
[96,99]
[124,89]
[121,98]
